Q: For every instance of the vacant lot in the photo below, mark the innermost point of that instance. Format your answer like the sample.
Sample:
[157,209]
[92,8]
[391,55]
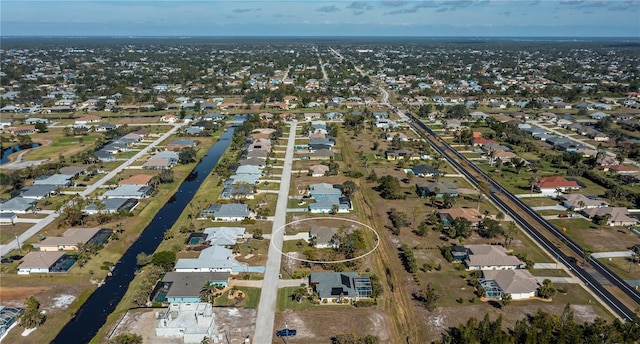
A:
[318,325]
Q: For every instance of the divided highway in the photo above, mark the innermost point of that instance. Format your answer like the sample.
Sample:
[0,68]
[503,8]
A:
[522,211]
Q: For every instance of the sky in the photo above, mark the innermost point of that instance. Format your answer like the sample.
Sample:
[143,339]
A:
[431,18]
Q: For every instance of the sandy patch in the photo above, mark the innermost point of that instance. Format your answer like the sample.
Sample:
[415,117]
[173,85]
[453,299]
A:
[62,301]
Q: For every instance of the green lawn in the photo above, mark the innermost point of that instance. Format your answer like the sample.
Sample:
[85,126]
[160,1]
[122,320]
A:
[251,298]
[285,301]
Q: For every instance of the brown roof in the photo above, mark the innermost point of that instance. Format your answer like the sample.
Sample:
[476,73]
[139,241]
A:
[556,182]
[471,214]
[70,237]
[159,162]
[40,259]
[512,281]
[139,179]
[490,255]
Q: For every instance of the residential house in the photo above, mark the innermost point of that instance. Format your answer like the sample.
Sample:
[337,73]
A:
[111,206]
[338,286]
[8,218]
[318,170]
[138,179]
[129,191]
[520,284]
[89,119]
[239,188]
[180,144]
[41,262]
[19,205]
[616,216]
[38,191]
[226,212]
[169,118]
[621,169]
[401,154]
[23,130]
[187,322]
[324,236]
[425,171]
[578,202]
[390,136]
[224,236]
[211,259]
[491,257]
[328,196]
[447,216]
[70,239]
[550,185]
[58,180]
[437,189]
[186,286]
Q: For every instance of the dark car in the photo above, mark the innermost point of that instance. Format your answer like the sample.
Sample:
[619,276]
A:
[563,215]
[286,333]
[6,260]
[16,257]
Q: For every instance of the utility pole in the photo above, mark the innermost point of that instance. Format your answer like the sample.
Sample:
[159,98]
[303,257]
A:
[19,246]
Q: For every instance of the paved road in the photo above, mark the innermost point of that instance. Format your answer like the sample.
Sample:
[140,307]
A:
[4,249]
[283,283]
[266,310]
[556,279]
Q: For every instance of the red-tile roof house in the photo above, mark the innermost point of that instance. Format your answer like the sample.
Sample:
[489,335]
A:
[621,169]
[481,141]
[551,184]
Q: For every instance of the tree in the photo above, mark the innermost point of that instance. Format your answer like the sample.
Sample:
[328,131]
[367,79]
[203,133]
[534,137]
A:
[546,290]
[127,338]
[461,228]
[428,297]
[187,155]
[208,290]
[348,188]
[505,300]
[257,233]
[25,141]
[143,259]
[32,316]
[448,201]
[41,127]
[164,259]
[299,293]
[389,188]
[586,256]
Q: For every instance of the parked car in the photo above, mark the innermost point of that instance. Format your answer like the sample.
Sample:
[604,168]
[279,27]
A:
[16,257]
[563,215]
[6,260]
[286,333]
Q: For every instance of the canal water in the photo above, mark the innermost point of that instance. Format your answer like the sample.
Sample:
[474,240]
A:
[93,313]
[4,155]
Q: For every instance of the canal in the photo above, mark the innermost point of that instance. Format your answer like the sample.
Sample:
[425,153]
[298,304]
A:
[5,153]
[92,315]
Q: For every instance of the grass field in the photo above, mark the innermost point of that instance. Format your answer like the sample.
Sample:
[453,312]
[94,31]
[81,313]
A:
[250,300]
[285,301]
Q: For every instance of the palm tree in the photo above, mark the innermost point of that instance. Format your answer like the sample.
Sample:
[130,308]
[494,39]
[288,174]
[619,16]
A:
[586,256]
[208,290]
[505,300]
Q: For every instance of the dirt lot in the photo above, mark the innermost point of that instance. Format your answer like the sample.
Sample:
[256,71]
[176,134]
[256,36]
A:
[232,325]
[319,325]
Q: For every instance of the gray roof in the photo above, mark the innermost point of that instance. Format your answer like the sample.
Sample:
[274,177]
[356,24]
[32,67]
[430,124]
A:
[189,284]
[333,284]
[249,169]
[250,179]
[323,189]
[490,255]
[214,257]
[324,235]
[166,155]
[228,210]
[224,235]
[72,170]
[56,179]
[443,187]
[17,204]
[128,191]
[37,191]
[512,281]
[113,205]
[39,259]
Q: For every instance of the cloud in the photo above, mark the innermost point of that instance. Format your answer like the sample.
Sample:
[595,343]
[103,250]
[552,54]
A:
[394,3]
[241,10]
[628,5]
[360,6]
[328,9]
[415,8]
[357,13]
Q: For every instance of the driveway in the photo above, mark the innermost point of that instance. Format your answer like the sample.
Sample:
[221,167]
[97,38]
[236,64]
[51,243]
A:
[4,249]
[268,297]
